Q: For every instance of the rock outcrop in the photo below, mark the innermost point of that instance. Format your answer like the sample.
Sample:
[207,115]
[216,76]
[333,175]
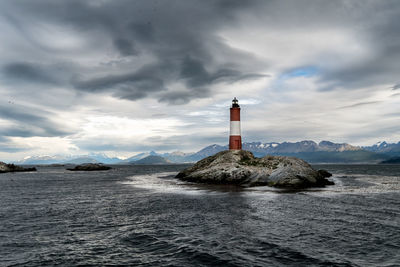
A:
[90,167]
[4,167]
[242,168]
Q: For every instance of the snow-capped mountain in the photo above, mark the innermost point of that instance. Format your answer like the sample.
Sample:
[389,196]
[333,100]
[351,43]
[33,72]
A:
[103,158]
[311,151]
[69,159]
[384,147]
[140,156]
[207,151]
[177,157]
[297,147]
[80,160]
[152,160]
[261,149]
[42,159]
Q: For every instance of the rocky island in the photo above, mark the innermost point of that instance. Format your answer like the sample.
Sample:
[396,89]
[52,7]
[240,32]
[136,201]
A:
[90,167]
[240,167]
[4,167]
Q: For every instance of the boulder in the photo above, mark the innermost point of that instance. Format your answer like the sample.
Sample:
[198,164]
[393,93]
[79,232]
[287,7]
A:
[90,167]
[4,167]
[240,167]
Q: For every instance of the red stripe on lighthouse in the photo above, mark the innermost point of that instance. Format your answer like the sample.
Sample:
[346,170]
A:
[235,114]
[235,138]
[235,142]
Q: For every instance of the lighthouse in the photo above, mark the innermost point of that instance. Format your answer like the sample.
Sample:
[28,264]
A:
[235,138]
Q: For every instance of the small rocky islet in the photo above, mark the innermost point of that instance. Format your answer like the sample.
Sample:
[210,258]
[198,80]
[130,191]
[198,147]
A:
[240,167]
[90,167]
[4,167]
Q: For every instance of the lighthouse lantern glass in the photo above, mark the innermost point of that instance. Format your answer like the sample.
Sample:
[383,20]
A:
[235,103]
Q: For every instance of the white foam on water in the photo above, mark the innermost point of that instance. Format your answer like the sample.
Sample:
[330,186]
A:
[166,183]
[371,184]
[381,184]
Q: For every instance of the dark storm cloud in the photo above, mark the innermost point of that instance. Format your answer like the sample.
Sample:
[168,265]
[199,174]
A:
[181,35]
[27,122]
[127,86]
[27,72]
[377,25]
[125,47]
[371,72]
[195,74]
[397,86]
[148,79]
[40,76]
[151,78]
[183,97]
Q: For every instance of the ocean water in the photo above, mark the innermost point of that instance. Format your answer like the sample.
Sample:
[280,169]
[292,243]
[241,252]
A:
[142,216]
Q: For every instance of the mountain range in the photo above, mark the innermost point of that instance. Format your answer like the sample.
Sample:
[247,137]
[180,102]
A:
[69,159]
[153,159]
[383,147]
[322,152]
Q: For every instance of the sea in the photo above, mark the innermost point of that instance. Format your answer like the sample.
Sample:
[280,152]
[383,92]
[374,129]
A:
[143,216]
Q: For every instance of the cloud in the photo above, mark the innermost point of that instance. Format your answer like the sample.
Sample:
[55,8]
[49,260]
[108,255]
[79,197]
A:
[147,36]
[360,104]
[5,147]
[8,146]
[380,41]
[290,63]
[125,47]
[158,143]
[195,74]
[394,95]
[27,72]
[302,71]
[130,86]
[183,97]
[27,122]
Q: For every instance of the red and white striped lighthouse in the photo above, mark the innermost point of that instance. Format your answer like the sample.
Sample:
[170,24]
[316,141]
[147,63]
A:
[235,138]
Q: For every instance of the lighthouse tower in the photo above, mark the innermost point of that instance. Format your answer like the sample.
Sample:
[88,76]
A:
[235,138]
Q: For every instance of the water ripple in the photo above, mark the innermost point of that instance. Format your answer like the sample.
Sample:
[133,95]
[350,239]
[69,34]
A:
[142,216]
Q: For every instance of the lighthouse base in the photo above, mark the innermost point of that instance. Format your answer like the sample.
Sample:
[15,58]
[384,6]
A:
[240,167]
[235,142]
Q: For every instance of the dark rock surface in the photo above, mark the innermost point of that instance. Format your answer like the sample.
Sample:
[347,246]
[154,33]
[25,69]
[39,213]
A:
[4,167]
[240,167]
[90,167]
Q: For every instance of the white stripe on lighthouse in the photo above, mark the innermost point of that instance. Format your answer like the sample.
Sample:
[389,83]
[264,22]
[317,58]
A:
[235,128]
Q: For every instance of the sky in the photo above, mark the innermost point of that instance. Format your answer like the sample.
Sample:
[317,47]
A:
[123,77]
